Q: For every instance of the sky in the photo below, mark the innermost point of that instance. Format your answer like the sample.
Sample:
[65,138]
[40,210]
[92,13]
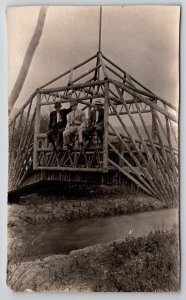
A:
[143,40]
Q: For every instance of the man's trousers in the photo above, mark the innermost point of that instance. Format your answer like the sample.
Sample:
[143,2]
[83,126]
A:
[70,132]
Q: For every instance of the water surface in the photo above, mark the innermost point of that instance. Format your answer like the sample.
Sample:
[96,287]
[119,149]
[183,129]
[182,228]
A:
[60,238]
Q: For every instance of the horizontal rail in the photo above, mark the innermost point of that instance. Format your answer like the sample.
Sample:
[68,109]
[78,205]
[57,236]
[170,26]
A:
[87,151]
[74,169]
[71,87]
[67,100]
[122,113]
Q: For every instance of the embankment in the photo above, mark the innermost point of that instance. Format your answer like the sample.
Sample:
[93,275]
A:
[147,264]
[39,209]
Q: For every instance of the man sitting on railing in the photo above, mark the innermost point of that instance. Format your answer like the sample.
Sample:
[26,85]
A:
[57,124]
[76,123]
[95,124]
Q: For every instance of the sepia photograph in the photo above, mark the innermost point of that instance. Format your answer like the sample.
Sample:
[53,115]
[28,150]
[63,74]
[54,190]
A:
[93,180]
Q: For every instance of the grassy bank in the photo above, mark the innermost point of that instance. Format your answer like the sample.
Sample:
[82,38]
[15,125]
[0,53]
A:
[46,209]
[148,264]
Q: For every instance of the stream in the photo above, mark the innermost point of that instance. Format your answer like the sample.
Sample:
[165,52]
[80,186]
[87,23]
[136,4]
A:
[59,238]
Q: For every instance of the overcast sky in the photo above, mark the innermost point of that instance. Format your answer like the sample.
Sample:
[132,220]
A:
[143,40]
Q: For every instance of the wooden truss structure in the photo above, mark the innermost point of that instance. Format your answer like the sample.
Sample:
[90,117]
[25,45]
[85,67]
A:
[140,130]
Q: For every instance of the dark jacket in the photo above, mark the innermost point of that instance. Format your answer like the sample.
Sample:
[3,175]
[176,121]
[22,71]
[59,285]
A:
[92,119]
[53,118]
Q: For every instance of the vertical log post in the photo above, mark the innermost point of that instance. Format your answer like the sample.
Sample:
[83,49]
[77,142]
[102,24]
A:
[105,141]
[36,131]
[153,130]
[122,148]
[168,132]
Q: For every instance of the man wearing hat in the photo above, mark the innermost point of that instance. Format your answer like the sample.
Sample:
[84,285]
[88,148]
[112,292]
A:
[57,124]
[76,123]
[96,122]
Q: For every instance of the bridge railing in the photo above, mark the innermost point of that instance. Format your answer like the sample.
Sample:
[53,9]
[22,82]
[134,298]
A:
[154,166]
[21,140]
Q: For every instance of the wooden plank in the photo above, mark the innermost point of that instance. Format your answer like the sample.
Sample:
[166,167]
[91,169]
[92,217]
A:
[150,173]
[28,112]
[23,134]
[143,170]
[70,87]
[103,66]
[73,169]
[66,99]
[153,127]
[97,71]
[12,152]
[117,99]
[70,76]
[159,135]
[139,107]
[173,160]
[105,140]
[132,112]
[36,130]
[26,142]
[88,150]
[165,178]
[20,165]
[160,164]
[28,130]
[11,130]
[134,170]
[23,174]
[174,163]
[153,168]
[173,131]
[21,118]
[161,125]
[130,177]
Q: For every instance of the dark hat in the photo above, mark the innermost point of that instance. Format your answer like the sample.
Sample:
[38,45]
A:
[57,104]
[73,103]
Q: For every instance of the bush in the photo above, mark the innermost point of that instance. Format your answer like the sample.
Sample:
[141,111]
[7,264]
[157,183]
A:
[147,264]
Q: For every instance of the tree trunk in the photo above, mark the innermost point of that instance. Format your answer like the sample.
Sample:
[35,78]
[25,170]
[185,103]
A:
[28,58]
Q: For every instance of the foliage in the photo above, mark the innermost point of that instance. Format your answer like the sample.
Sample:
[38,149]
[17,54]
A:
[144,264]
[148,263]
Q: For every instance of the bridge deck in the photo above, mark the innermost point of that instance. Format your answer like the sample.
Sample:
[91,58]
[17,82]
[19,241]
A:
[47,180]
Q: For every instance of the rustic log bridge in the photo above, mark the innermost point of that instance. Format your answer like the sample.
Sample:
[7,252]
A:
[145,155]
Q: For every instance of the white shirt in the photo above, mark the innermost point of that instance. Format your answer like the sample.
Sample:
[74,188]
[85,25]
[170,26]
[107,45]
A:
[58,117]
